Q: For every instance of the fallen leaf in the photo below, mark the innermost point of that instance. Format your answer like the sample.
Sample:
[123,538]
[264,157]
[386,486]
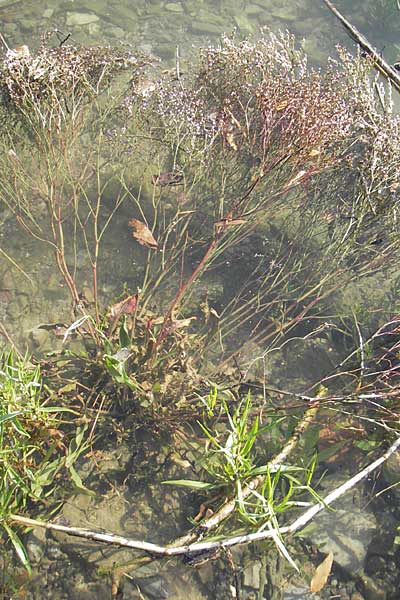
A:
[322,573]
[143,234]
[282,105]
[230,140]
[20,51]
[167,178]
[200,514]
[180,323]
[295,180]
[228,223]
[125,307]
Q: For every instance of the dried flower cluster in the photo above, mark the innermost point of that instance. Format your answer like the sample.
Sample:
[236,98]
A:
[44,81]
[261,102]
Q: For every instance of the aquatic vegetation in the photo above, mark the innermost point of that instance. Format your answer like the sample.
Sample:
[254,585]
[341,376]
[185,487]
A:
[251,168]
[233,457]
[35,449]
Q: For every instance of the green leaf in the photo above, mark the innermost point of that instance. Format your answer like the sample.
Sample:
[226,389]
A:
[9,416]
[124,339]
[366,445]
[19,547]
[78,482]
[192,484]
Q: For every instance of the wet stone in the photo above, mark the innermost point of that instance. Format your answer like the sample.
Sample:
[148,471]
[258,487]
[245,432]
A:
[299,593]
[347,531]
[35,550]
[372,589]
[174,7]
[251,575]
[77,19]
[200,28]
[48,13]
[40,338]
[154,587]
[54,552]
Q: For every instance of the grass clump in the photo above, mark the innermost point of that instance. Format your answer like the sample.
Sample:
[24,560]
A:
[35,449]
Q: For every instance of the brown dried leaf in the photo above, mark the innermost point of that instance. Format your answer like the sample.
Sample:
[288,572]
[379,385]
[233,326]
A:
[143,234]
[167,178]
[282,105]
[181,323]
[228,223]
[322,573]
[125,307]
[20,51]
[230,140]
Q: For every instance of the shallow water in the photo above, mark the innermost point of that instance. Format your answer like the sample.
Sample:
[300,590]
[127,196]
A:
[157,28]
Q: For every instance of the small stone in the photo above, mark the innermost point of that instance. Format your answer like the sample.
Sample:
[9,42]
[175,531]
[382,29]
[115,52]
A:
[93,28]
[35,552]
[54,552]
[243,24]
[174,7]
[40,337]
[251,575]
[200,28]
[77,19]
[372,589]
[117,32]
[253,10]
[35,545]
[48,13]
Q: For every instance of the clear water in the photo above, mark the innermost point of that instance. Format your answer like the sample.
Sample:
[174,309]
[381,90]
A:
[157,28]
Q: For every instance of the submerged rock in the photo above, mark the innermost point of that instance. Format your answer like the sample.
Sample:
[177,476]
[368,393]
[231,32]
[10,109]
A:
[77,19]
[40,338]
[251,575]
[299,593]
[174,7]
[347,530]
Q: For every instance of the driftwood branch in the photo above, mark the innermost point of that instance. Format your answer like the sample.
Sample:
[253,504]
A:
[174,550]
[379,63]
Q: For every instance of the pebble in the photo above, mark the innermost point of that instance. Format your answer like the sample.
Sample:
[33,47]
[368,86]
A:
[200,28]
[39,337]
[174,7]
[356,596]
[48,13]
[54,552]
[77,19]
[251,575]
[35,551]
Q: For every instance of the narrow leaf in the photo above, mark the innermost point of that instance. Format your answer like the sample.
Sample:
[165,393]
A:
[190,483]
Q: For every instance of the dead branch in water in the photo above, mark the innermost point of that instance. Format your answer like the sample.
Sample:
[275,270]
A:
[175,550]
[379,63]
